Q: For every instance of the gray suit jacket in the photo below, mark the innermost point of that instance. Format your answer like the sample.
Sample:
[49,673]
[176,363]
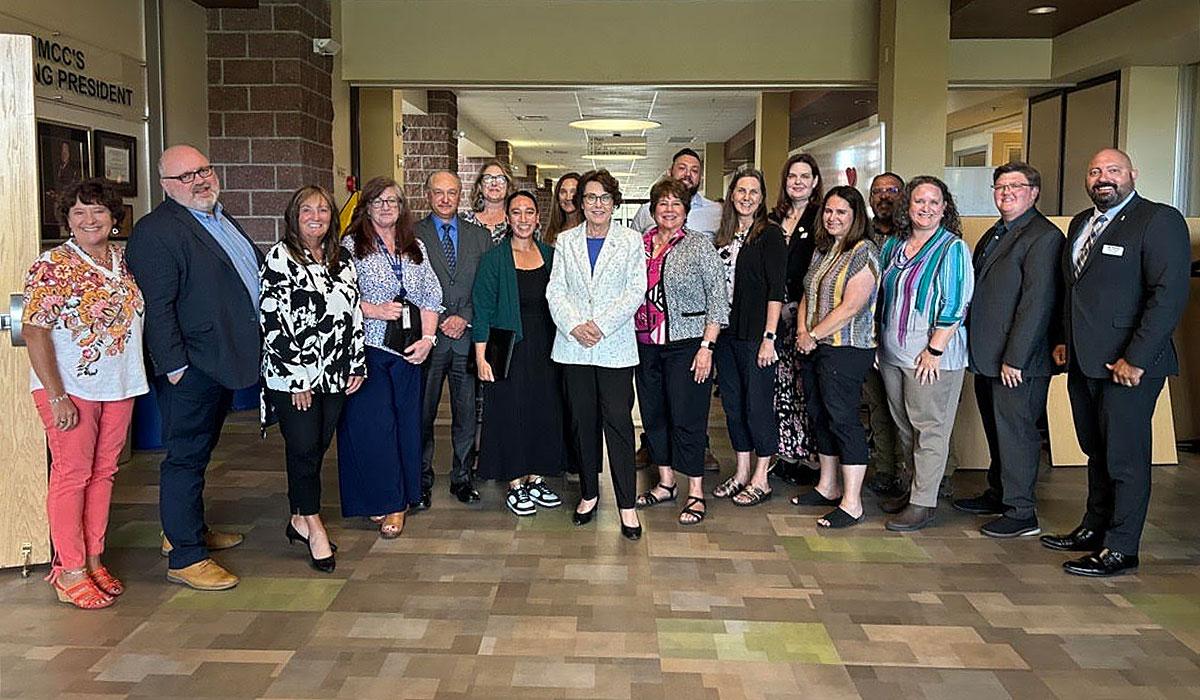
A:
[473,242]
[1018,294]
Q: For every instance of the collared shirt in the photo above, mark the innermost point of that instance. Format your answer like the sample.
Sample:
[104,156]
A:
[999,229]
[441,231]
[1096,213]
[703,217]
[235,245]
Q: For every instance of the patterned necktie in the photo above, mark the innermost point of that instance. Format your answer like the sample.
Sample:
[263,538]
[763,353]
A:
[448,248]
[1086,248]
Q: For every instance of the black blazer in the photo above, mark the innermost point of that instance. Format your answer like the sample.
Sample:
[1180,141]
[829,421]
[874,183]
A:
[800,251]
[1018,293]
[1131,292]
[198,311]
[473,242]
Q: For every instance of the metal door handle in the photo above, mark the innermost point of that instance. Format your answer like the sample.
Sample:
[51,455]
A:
[11,321]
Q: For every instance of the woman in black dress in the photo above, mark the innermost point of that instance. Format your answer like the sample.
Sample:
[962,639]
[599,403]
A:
[521,439]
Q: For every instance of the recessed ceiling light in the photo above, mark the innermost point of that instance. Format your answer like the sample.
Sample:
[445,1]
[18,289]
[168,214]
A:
[615,156]
[1042,10]
[532,118]
[615,124]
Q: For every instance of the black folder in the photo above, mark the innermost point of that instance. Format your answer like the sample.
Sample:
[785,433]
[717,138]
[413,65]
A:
[499,351]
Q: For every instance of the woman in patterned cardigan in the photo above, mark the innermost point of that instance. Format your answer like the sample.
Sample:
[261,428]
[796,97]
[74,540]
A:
[313,353]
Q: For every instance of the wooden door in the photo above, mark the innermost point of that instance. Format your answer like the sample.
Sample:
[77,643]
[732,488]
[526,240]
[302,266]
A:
[24,530]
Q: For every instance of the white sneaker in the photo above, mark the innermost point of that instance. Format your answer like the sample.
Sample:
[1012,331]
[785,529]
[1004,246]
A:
[541,494]
[519,502]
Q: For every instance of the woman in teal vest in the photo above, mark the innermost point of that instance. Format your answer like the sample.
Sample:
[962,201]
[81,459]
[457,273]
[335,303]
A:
[522,435]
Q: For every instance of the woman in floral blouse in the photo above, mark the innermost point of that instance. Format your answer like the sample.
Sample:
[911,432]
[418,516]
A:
[313,353]
[379,438]
[83,325]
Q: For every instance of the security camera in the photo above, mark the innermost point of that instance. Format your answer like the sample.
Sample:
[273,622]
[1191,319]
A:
[326,47]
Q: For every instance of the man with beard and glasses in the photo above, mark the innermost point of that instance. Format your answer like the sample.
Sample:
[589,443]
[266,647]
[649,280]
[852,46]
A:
[1125,273]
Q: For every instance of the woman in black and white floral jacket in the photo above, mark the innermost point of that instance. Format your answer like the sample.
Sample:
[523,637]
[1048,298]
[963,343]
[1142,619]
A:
[313,352]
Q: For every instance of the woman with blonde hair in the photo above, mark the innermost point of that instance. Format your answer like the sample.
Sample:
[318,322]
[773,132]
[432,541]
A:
[492,187]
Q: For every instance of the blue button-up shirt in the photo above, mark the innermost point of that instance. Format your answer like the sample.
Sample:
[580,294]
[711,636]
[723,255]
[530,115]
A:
[453,223]
[235,245]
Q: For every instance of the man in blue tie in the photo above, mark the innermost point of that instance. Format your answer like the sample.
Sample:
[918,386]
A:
[454,247]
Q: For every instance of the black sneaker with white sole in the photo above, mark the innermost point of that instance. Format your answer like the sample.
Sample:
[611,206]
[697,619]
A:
[519,502]
[1004,526]
[541,494]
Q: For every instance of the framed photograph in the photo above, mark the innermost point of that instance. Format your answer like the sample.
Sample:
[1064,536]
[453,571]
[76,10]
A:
[63,160]
[116,160]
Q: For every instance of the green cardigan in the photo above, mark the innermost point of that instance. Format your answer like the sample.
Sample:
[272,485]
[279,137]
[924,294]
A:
[494,296]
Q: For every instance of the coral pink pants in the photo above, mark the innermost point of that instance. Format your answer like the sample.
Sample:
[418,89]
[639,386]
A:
[83,464]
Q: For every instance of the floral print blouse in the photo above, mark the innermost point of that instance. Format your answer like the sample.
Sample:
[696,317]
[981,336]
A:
[378,284]
[311,323]
[94,311]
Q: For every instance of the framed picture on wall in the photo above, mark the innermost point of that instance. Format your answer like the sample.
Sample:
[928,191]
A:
[116,160]
[63,160]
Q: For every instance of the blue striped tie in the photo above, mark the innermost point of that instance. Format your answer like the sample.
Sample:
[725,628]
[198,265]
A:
[448,248]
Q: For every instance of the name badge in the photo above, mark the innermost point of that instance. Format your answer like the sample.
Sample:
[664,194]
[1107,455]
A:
[1117,250]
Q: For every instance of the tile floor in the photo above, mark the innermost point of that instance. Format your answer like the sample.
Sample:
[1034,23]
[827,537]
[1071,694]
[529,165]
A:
[754,603]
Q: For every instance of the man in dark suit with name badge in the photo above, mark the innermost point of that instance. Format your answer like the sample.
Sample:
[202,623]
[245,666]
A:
[455,247]
[1017,292]
[1125,272]
[198,271]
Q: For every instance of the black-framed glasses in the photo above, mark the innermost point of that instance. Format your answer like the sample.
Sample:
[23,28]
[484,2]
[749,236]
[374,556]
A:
[384,202]
[186,178]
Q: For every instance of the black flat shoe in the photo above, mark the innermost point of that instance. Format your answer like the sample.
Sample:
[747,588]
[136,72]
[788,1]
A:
[1081,539]
[294,536]
[631,532]
[986,504]
[424,503]
[1106,562]
[585,518]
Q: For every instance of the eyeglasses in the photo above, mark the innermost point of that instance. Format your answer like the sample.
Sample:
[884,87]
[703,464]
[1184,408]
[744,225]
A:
[605,198]
[493,179]
[186,178]
[1011,188]
[876,191]
[384,203]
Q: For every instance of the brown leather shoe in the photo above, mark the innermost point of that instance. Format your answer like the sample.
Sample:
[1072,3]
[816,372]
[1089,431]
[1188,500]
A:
[213,540]
[913,517]
[895,504]
[204,575]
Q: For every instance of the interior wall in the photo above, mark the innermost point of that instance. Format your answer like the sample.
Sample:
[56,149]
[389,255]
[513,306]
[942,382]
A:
[340,96]
[1091,121]
[1043,149]
[114,24]
[185,74]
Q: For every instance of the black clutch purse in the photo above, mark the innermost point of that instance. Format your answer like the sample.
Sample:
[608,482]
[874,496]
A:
[404,331]
[499,351]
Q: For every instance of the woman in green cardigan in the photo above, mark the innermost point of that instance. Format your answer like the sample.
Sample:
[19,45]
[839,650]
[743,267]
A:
[522,436]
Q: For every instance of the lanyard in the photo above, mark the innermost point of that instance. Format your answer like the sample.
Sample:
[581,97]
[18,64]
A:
[397,266]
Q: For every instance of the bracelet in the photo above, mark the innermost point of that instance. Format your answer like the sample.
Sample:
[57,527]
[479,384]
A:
[431,338]
[934,351]
[55,400]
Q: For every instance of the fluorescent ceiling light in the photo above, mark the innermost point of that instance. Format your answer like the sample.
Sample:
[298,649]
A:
[615,124]
[1042,10]
[615,156]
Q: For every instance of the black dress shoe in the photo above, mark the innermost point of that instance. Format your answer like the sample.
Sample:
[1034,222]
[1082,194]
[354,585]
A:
[1081,539]
[294,536]
[424,503]
[631,532]
[1007,526]
[1106,562]
[465,492]
[985,504]
[584,518]
[326,565]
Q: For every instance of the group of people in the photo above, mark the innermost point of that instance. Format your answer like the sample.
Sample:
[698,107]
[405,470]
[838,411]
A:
[799,313]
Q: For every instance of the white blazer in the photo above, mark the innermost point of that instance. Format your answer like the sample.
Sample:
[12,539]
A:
[609,296]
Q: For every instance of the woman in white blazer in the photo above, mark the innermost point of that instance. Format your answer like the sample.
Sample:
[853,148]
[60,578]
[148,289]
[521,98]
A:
[597,282]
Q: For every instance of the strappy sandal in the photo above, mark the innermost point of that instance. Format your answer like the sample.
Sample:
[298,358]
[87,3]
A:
[106,582]
[690,515]
[815,498]
[84,595]
[837,519]
[752,496]
[651,499]
[728,488]
[392,526]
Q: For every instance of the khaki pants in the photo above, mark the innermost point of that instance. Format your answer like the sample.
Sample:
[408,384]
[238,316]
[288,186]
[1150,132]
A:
[924,415]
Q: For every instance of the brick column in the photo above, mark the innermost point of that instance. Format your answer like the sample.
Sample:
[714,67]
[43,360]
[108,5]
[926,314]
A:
[270,110]
[430,144]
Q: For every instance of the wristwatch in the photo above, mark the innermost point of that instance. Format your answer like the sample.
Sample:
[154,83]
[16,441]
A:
[431,338]
[708,344]
[769,335]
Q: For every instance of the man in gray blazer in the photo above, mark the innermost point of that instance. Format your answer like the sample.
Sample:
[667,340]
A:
[1010,347]
[454,247]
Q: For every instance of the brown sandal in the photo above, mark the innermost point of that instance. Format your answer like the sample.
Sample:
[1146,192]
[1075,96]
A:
[392,526]
[111,585]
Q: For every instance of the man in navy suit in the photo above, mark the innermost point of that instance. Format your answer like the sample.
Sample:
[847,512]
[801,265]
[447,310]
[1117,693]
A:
[198,272]
[1125,273]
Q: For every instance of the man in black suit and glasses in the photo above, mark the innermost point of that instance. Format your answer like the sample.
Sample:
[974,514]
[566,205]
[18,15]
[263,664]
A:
[1125,272]
[1017,295]
[198,272]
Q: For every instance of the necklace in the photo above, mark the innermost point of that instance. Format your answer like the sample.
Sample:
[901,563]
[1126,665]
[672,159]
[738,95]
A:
[113,270]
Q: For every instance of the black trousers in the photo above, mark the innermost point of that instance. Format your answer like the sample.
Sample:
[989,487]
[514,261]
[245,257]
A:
[674,407]
[306,438]
[193,412]
[1010,422]
[748,396]
[443,363]
[1112,423]
[833,380]
[602,397]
